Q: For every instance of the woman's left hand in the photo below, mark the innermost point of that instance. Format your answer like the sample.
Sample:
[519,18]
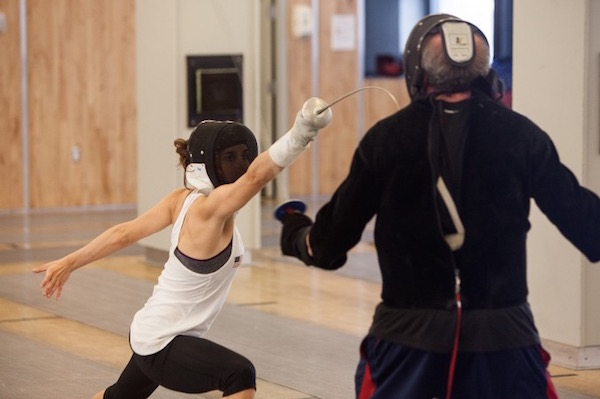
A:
[57,274]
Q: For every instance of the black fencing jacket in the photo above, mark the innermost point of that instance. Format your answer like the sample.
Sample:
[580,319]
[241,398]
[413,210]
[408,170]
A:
[507,161]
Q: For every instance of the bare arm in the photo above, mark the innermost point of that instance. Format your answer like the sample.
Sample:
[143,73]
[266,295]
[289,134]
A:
[229,198]
[111,240]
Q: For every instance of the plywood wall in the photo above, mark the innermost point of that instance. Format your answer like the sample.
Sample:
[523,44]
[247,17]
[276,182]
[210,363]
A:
[377,104]
[338,75]
[11,188]
[299,62]
[336,72]
[81,104]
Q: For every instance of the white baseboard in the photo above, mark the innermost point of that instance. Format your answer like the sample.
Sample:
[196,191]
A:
[572,357]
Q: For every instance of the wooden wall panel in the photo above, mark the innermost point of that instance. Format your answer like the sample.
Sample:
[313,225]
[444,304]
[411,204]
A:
[299,60]
[377,104]
[338,75]
[11,159]
[82,98]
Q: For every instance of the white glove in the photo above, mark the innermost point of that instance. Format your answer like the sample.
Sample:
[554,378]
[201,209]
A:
[306,126]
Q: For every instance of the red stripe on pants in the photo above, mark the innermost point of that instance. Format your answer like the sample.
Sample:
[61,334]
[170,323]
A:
[368,386]
[550,390]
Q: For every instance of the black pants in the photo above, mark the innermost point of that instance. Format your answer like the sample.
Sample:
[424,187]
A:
[187,364]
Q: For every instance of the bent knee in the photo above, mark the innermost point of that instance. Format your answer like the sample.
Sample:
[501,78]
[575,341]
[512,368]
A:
[242,376]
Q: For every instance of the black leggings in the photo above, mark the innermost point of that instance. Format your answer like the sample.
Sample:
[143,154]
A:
[187,364]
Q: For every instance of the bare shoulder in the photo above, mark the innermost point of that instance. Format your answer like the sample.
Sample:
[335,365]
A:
[174,201]
[178,195]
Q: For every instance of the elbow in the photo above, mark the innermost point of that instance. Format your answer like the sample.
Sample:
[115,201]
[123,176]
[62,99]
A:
[259,178]
[261,173]
[122,235]
[329,263]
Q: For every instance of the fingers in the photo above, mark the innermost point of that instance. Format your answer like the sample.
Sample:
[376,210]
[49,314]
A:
[39,269]
[51,290]
[51,287]
[48,288]
[52,283]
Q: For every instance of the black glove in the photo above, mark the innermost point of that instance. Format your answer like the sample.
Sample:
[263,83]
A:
[295,228]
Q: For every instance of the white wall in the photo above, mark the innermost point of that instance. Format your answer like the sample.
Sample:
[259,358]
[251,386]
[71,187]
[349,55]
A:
[591,276]
[555,83]
[168,31]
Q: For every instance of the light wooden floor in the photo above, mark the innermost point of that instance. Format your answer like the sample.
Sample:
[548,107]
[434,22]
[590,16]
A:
[300,326]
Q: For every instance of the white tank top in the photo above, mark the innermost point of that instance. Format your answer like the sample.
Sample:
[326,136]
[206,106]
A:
[183,302]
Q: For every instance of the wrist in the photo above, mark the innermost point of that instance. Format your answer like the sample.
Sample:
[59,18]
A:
[287,149]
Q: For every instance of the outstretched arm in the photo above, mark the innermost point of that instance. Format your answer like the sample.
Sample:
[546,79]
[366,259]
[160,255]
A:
[111,240]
